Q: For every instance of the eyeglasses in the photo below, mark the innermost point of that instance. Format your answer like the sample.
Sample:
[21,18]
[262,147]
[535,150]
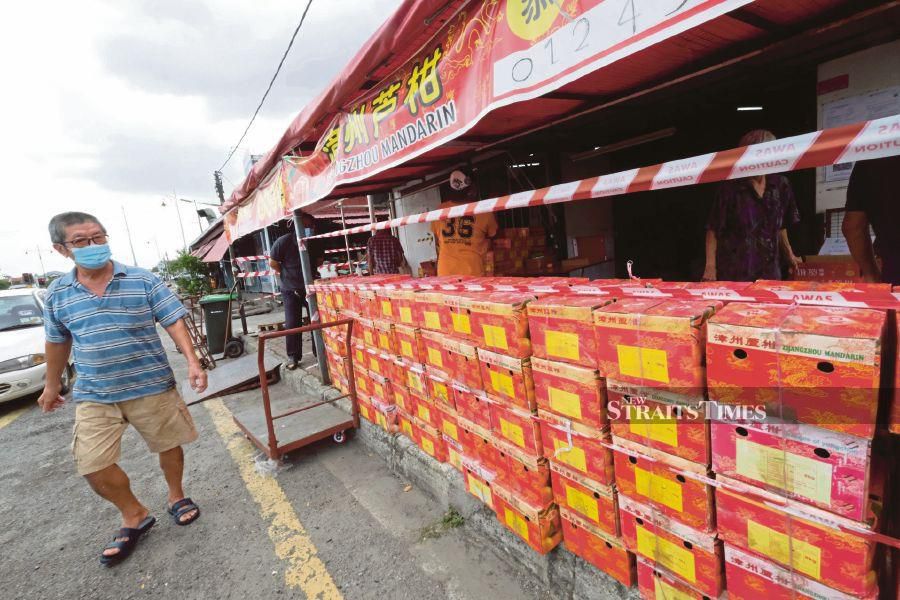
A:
[98,240]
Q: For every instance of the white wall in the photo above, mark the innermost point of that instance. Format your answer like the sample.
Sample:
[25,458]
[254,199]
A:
[416,239]
[869,71]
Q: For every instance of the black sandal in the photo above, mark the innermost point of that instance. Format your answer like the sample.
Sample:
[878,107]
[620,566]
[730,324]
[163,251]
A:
[126,547]
[182,507]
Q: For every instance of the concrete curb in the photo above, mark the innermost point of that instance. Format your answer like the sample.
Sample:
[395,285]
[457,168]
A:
[562,574]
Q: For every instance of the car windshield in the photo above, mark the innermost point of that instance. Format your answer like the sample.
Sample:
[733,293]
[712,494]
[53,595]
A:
[20,311]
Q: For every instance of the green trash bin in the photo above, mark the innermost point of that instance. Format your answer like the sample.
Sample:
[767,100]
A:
[217,314]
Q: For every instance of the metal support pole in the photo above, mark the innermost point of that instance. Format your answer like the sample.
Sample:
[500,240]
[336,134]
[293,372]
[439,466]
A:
[346,240]
[267,241]
[311,298]
[370,199]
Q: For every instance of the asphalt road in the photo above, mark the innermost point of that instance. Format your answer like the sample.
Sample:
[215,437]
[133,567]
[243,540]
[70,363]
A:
[334,523]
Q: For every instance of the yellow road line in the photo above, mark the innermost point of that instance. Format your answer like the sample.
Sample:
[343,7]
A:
[292,544]
[12,416]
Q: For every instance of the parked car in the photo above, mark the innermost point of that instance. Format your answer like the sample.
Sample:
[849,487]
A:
[22,361]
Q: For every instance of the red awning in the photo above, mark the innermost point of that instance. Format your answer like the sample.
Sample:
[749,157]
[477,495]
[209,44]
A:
[217,249]
[735,36]
[202,250]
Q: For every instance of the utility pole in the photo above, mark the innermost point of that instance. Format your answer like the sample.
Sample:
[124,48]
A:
[41,258]
[128,230]
[220,190]
[180,223]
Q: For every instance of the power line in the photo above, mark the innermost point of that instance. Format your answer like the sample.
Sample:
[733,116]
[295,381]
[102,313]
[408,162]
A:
[271,83]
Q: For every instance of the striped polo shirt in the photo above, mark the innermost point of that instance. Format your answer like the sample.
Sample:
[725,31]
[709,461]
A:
[117,350]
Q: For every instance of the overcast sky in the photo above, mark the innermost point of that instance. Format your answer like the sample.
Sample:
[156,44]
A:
[118,105]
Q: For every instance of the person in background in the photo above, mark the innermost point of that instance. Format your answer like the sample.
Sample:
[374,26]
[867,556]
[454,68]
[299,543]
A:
[107,313]
[285,261]
[746,234]
[385,253]
[873,199]
[462,242]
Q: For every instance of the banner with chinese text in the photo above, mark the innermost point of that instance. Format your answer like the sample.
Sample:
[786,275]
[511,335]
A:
[267,205]
[491,54]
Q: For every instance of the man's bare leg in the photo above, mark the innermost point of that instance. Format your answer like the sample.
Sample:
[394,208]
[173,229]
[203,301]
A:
[113,485]
[172,463]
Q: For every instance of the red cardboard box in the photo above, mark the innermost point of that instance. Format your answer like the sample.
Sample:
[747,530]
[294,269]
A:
[656,479]
[455,311]
[426,412]
[571,391]
[690,555]
[364,329]
[407,426]
[427,312]
[409,343]
[751,578]
[655,583]
[446,421]
[816,466]
[415,380]
[365,303]
[500,322]
[539,527]
[809,364]
[436,358]
[429,439]
[385,416]
[473,406]
[402,302]
[655,344]
[517,427]
[477,447]
[377,363]
[660,419]
[454,453]
[527,476]
[381,389]
[366,411]
[586,498]
[599,549]
[577,447]
[404,400]
[507,379]
[562,328]
[817,547]
[462,363]
[384,307]
[477,483]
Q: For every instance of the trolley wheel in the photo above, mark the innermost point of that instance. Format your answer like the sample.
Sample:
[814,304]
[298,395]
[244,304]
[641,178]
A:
[234,348]
[340,437]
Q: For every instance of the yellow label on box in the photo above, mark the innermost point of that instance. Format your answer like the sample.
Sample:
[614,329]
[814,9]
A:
[454,458]
[502,384]
[574,457]
[512,432]
[583,503]
[427,446]
[383,341]
[676,558]
[656,428]
[565,403]
[434,357]
[480,490]
[399,400]
[373,365]
[386,308]
[379,391]
[440,391]
[329,302]
[562,345]
[787,471]
[339,298]
[367,335]
[432,320]
[643,363]
[450,429]
[659,489]
[406,315]
[406,349]
[360,357]
[407,429]
[424,413]
[461,323]
[516,522]
[805,557]
[413,380]
[495,337]
[365,411]
[379,418]
[361,384]
[664,591]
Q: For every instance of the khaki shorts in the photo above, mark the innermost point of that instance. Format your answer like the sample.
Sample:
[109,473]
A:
[162,420]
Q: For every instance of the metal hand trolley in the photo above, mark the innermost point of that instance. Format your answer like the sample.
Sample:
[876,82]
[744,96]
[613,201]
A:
[298,426]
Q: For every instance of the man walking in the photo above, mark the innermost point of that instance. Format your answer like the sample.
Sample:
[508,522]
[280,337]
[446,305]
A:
[285,260]
[385,254]
[107,313]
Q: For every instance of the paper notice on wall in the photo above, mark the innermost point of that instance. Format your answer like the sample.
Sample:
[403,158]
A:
[874,105]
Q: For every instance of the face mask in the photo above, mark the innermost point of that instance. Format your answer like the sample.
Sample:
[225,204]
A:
[92,257]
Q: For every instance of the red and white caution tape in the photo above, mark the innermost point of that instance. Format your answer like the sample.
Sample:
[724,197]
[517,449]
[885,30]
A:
[247,274]
[242,259]
[340,250]
[878,138]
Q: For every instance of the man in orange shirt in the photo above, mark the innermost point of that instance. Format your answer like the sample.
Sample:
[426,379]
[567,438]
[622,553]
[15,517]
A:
[462,242]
